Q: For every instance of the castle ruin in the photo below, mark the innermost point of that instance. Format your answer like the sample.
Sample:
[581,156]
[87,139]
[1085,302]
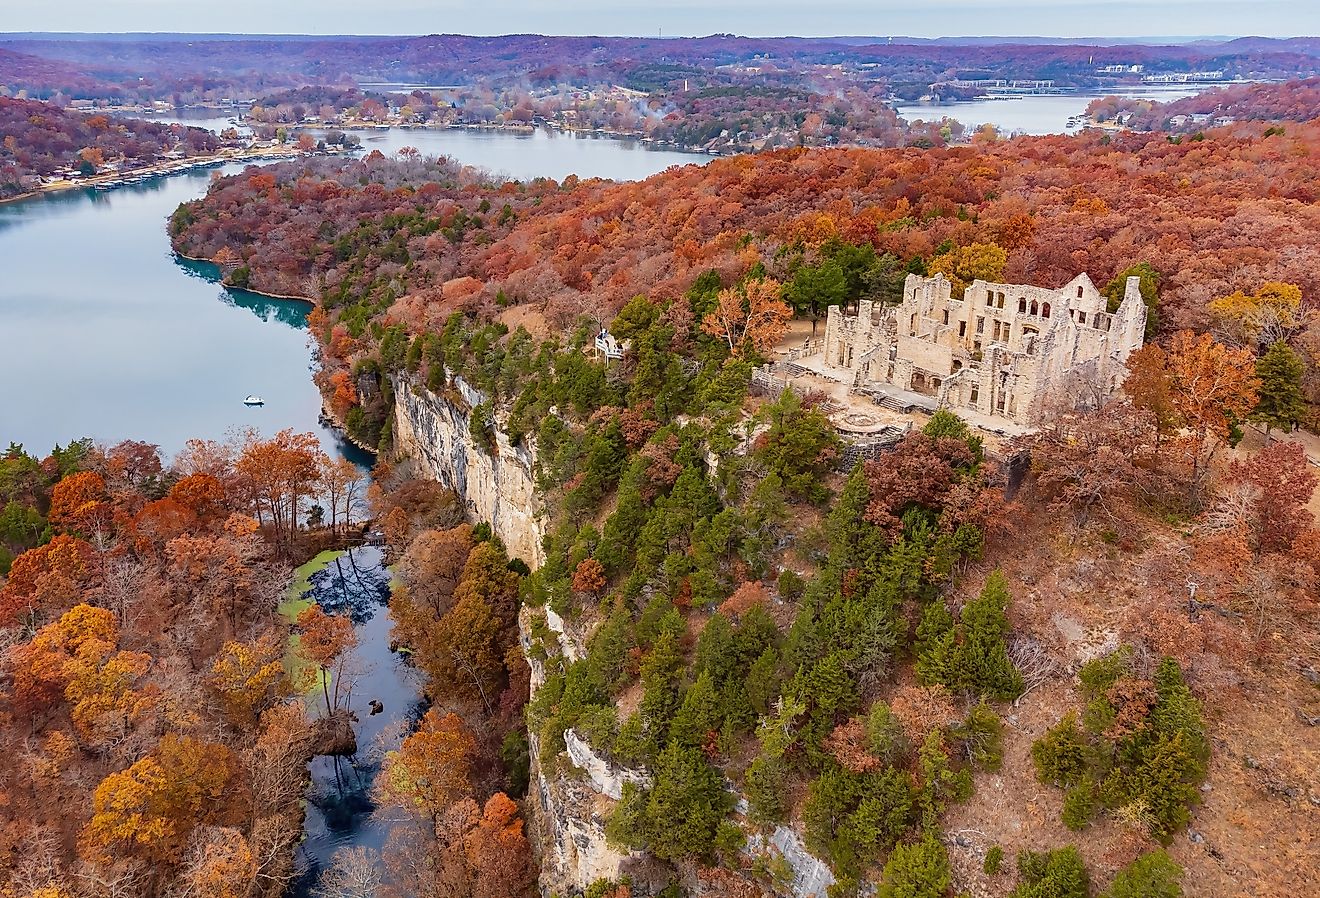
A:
[1002,350]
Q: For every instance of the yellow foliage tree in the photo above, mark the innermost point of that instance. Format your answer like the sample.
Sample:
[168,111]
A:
[249,677]
[1272,313]
[149,810]
[964,264]
[104,703]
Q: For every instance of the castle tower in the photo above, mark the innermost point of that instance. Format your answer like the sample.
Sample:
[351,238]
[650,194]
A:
[1128,330]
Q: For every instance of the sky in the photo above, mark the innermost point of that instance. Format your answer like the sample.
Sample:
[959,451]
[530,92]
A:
[920,18]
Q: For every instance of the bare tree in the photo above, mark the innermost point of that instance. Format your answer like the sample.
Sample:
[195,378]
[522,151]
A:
[353,873]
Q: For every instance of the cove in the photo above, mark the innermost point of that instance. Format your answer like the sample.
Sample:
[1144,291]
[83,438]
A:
[107,334]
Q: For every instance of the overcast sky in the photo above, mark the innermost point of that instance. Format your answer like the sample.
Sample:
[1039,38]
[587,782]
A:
[925,18]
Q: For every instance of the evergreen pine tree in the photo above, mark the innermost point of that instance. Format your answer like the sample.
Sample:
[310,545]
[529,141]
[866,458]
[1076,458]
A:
[985,663]
[699,715]
[607,651]
[660,674]
[1280,403]
[763,784]
[920,870]
[686,805]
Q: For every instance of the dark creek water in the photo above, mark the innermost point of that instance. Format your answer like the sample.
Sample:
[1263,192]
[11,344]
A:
[340,810]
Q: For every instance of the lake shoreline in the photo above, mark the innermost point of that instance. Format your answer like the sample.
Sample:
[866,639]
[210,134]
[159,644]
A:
[157,170]
[639,137]
[290,296]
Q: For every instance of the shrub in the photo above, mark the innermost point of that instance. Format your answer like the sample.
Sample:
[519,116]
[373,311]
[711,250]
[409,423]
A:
[1060,755]
[1153,875]
[920,870]
[1079,805]
[1052,874]
[790,585]
[981,736]
[994,860]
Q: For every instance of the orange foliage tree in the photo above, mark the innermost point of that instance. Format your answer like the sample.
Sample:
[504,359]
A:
[79,504]
[497,851]
[46,579]
[1203,386]
[432,768]
[589,576]
[751,316]
[324,640]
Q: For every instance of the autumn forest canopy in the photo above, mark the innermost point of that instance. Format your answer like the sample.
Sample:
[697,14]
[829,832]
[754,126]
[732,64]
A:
[737,651]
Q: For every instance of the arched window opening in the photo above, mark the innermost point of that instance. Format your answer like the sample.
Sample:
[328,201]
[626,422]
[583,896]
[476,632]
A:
[1045,310]
[1035,310]
[1022,305]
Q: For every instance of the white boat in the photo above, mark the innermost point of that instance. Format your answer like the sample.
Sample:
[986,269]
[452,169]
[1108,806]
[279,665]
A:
[254,400]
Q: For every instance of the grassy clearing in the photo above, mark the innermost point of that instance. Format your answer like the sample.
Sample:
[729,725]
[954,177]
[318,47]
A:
[295,599]
[303,675]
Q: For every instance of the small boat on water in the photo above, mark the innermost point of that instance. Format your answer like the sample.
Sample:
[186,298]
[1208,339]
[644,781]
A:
[254,400]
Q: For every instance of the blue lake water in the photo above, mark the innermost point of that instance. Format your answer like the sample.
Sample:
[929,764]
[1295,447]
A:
[1036,114]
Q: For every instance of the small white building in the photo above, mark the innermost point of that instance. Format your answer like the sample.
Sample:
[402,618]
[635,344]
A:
[609,347]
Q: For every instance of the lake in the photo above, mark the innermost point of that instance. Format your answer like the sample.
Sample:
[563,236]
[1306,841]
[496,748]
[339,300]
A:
[522,155]
[1035,114]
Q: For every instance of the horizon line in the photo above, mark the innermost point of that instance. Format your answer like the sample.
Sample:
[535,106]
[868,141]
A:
[1180,38]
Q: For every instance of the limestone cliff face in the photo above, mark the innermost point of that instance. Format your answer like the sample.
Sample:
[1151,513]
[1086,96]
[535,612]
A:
[498,486]
[566,814]
[566,810]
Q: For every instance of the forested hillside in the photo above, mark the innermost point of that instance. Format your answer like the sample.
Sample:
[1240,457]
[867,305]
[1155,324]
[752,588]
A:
[1295,101]
[199,69]
[408,242]
[1107,675]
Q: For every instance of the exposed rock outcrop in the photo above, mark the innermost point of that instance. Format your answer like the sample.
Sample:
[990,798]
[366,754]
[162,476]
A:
[567,809]
[334,735]
[499,486]
[605,778]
